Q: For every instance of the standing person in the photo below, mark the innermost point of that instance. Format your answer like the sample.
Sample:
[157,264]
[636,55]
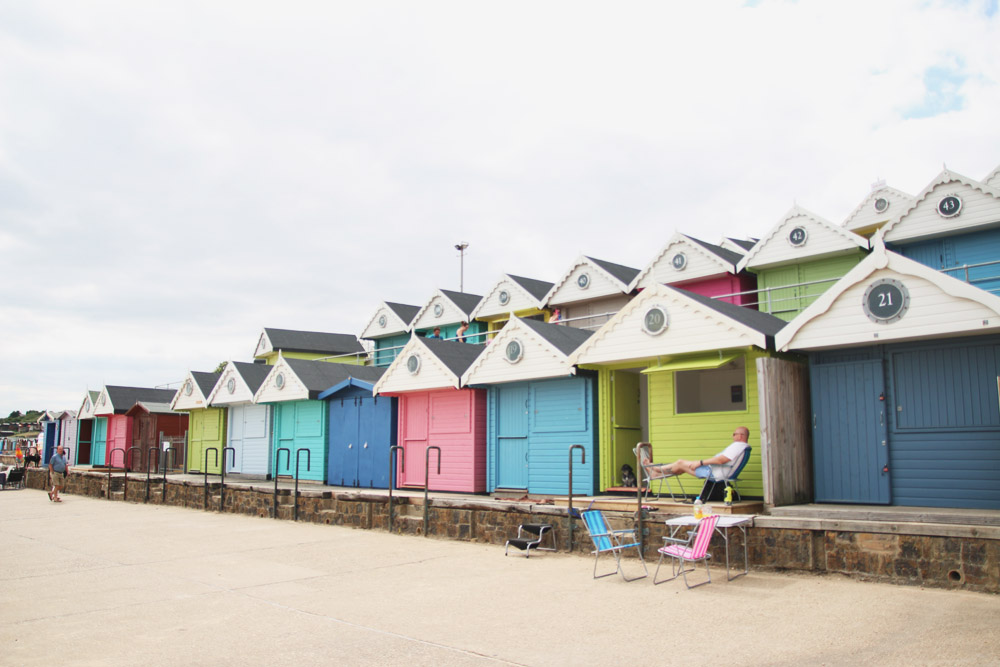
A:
[18,455]
[33,456]
[58,466]
[460,334]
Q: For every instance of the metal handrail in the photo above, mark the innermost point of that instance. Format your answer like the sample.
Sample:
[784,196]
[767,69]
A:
[277,464]
[569,511]
[111,459]
[127,462]
[167,460]
[222,483]
[214,450]
[298,460]
[394,450]
[427,479]
[149,466]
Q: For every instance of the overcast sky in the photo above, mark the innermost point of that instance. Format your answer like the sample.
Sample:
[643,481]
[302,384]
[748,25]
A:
[175,176]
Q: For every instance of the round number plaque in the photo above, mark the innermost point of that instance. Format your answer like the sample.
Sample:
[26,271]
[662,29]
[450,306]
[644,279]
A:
[504,297]
[438,310]
[797,237]
[188,388]
[886,301]
[679,261]
[231,385]
[583,281]
[413,364]
[382,321]
[655,321]
[881,205]
[949,206]
[514,351]
[279,380]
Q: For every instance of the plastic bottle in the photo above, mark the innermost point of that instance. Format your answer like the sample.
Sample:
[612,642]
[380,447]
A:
[697,507]
[729,496]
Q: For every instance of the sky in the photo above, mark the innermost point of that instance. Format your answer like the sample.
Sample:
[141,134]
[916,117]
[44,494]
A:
[176,176]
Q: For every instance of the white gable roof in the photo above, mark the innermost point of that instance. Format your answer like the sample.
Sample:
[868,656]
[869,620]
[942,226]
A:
[230,377]
[282,384]
[822,238]
[693,325]
[586,280]
[385,322]
[867,214]
[939,306]
[87,407]
[539,358]
[189,396]
[439,311]
[980,208]
[102,404]
[680,260]
[431,372]
[506,296]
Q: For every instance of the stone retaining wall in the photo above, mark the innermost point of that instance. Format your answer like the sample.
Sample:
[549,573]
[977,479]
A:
[969,563]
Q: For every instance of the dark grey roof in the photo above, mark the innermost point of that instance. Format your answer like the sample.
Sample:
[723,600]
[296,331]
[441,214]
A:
[536,288]
[206,381]
[623,274]
[565,339]
[252,374]
[455,355]
[154,408]
[318,376]
[728,255]
[765,323]
[466,302]
[404,311]
[746,244]
[313,341]
[123,398]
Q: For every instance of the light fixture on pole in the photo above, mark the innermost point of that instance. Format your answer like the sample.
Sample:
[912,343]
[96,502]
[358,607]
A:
[461,264]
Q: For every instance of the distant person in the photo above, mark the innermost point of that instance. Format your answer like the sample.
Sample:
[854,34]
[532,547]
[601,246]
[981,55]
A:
[58,465]
[721,464]
[33,456]
[18,455]
[555,316]
[436,334]
[460,334]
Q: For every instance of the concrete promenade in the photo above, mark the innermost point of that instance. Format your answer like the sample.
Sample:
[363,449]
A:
[91,582]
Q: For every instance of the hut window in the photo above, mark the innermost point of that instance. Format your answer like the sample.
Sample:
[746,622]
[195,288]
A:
[382,321]
[231,385]
[504,297]
[711,389]
[438,310]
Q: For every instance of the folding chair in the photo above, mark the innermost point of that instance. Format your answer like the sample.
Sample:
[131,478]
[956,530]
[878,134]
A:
[15,479]
[613,542]
[691,550]
[644,454]
[712,481]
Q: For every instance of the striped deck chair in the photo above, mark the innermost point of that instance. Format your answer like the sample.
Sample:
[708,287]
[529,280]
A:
[613,542]
[691,550]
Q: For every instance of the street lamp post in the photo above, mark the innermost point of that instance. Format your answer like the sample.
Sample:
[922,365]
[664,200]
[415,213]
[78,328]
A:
[461,265]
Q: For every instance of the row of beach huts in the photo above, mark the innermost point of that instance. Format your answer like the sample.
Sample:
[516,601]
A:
[863,356]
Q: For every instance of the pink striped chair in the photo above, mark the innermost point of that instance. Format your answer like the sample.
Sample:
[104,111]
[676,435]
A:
[691,550]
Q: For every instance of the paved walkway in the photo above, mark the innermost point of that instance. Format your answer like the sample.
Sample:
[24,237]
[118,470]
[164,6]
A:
[92,582]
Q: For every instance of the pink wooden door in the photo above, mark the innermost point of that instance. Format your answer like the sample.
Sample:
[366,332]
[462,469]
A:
[413,419]
[119,437]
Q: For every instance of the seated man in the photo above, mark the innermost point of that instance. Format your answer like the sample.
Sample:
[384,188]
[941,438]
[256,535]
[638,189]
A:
[720,464]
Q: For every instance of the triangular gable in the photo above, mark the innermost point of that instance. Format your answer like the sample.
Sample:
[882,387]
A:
[881,205]
[192,394]
[427,372]
[302,379]
[929,215]
[635,334]
[933,305]
[234,386]
[441,310]
[346,384]
[506,296]
[519,352]
[282,384]
[801,236]
[88,405]
[680,260]
[389,320]
[586,280]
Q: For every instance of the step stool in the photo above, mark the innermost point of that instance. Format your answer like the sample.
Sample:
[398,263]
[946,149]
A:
[526,544]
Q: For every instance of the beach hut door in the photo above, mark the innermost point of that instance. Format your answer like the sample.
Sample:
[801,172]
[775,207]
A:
[512,437]
[344,442]
[850,433]
[98,449]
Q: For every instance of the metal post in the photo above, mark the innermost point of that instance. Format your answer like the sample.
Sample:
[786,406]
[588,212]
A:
[427,479]
[461,265]
[638,495]
[277,464]
[583,459]
[128,461]
[222,484]
[298,455]
[167,460]
[394,450]
[214,450]
[111,457]
[149,466]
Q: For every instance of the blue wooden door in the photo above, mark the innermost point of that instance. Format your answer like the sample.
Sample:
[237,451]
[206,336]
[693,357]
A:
[51,435]
[98,448]
[366,436]
[344,445]
[512,437]
[850,437]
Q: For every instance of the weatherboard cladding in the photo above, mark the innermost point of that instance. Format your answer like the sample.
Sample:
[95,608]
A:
[441,365]
[865,216]
[701,261]
[545,348]
[520,297]
[247,377]
[288,340]
[455,307]
[823,238]
[398,317]
[980,209]
[314,377]
[601,283]
[993,178]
